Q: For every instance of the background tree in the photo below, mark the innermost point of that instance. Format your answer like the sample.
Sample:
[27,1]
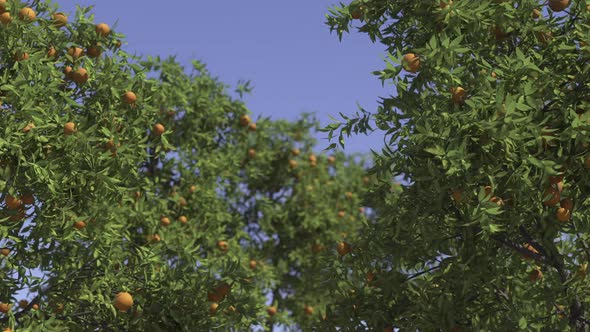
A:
[489,128]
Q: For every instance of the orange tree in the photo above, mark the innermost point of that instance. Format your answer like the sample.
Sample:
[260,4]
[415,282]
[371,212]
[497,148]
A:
[302,210]
[137,197]
[489,125]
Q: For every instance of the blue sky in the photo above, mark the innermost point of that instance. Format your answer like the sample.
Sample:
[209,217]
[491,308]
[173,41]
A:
[284,47]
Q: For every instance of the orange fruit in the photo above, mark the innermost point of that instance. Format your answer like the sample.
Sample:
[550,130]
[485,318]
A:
[295,152]
[23,303]
[12,202]
[94,51]
[123,301]
[69,128]
[253,264]
[183,220]
[567,204]
[531,249]
[563,215]
[308,310]
[536,275]
[411,62]
[223,246]
[213,308]
[182,201]
[35,306]
[223,289]
[312,158]
[361,209]
[5,18]
[341,214]
[80,76]
[271,310]
[251,153]
[5,252]
[21,56]
[192,189]
[536,13]
[75,52]
[554,179]
[214,297]
[27,14]
[129,97]
[331,160]
[28,127]
[164,221]
[51,52]
[28,199]
[4,307]
[252,127]
[79,224]
[558,5]
[458,95]
[348,195]
[551,196]
[68,72]
[244,120]
[313,163]
[158,129]
[59,20]
[154,238]
[343,248]
[103,29]
[445,3]
[2,6]
[292,163]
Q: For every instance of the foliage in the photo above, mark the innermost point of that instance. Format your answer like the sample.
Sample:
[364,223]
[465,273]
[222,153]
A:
[500,99]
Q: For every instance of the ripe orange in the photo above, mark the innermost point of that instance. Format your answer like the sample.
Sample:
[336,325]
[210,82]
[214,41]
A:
[312,158]
[244,120]
[253,264]
[497,200]
[75,52]
[59,20]
[12,202]
[411,62]
[567,204]
[223,246]
[94,51]
[129,97]
[79,224]
[271,311]
[23,303]
[458,95]
[536,275]
[558,5]
[4,307]
[69,128]
[292,163]
[103,29]
[68,72]
[5,18]
[164,221]
[183,220]
[158,129]
[341,214]
[308,310]
[213,308]
[28,199]
[182,201]
[51,52]
[154,238]
[343,248]
[251,153]
[27,14]
[331,160]
[5,252]
[536,13]
[252,127]
[551,196]
[80,76]
[295,152]
[123,301]
[192,189]
[563,215]
[21,56]
[35,306]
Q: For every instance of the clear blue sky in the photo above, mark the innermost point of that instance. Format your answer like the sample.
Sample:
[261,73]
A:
[294,62]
